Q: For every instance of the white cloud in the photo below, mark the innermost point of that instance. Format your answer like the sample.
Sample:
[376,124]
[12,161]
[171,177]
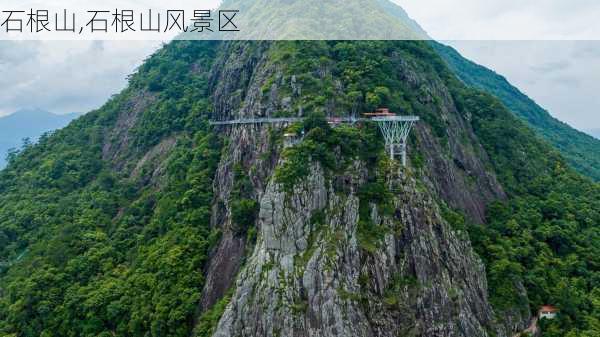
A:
[66,76]
[507,19]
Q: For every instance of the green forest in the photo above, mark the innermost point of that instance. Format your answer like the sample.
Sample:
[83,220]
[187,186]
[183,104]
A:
[87,250]
[101,254]
[546,236]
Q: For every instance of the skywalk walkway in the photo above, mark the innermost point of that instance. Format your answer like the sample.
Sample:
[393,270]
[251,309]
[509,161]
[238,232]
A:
[395,129]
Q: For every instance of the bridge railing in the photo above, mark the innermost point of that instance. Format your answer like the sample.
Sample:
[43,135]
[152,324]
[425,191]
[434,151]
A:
[269,120]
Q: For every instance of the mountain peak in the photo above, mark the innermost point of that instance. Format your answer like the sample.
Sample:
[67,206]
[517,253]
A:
[319,20]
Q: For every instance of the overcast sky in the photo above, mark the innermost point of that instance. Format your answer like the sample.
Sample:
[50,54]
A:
[562,76]
[66,76]
[507,19]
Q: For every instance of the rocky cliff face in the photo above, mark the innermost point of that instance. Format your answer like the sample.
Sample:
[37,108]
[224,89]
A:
[307,274]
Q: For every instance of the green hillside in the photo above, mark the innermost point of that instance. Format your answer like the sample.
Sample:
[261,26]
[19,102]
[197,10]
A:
[581,150]
[96,241]
[306,20]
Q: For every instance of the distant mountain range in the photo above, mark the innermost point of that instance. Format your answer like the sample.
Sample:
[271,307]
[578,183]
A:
[28,123]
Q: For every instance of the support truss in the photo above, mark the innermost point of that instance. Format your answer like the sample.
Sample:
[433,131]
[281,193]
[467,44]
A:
[395,131]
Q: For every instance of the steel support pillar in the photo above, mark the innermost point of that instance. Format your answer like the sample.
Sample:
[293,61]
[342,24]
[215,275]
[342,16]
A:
[395,132]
